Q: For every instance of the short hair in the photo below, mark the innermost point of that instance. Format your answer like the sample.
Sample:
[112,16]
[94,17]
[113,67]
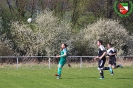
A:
[100,41]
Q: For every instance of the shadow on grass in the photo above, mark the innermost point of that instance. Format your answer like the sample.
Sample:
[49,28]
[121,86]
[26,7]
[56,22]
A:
[80,78]
[124,78]
[95,78]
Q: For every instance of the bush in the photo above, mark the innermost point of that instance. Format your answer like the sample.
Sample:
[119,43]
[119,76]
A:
[46,33]
[42,37]
[110,31]
[1,24]
[54,31]
[5,50]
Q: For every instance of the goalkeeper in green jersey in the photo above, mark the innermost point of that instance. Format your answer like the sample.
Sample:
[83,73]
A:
[62,56]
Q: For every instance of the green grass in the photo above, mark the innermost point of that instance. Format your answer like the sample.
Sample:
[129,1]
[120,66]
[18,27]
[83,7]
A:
[40,76]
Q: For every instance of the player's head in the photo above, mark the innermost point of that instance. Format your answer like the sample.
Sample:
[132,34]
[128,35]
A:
[99,42]
[109,45]
[63,45]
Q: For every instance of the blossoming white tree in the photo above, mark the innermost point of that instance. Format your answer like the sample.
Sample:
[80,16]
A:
[110,31]
[42,37]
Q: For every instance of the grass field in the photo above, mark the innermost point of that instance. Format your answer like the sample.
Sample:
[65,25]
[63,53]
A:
[39,76]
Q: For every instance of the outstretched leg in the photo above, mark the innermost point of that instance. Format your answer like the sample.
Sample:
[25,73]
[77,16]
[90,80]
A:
[110,69]
[119,66]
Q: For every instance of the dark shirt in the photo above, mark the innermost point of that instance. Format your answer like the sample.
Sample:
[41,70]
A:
[101,50]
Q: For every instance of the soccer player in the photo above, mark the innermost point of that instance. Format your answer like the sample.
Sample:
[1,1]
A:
[111,52]
[62,56]
[102,59]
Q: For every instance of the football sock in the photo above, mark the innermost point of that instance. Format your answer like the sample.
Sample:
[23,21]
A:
[111,70]
[106,68]
[118,66]
[101,74]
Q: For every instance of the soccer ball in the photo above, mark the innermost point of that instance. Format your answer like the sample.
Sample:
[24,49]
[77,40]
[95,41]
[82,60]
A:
[29,20]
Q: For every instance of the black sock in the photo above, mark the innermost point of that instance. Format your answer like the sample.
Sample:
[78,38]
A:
[106,68]
[117,66]
[101,74]
[112,72]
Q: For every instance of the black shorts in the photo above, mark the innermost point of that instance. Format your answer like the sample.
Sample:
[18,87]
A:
[101,63]
[112,61]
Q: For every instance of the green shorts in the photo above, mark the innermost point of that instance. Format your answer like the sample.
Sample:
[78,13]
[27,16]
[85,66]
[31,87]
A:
[62,62]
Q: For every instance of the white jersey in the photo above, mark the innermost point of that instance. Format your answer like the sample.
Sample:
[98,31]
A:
[110,51]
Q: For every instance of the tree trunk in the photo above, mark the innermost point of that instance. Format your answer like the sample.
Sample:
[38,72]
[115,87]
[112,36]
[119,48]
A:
[109,9]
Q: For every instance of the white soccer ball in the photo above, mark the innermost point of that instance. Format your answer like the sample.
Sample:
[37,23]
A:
[29,20]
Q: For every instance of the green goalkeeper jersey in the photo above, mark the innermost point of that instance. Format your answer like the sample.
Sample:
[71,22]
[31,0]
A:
[63,58]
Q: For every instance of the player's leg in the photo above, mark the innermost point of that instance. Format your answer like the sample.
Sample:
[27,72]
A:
[61,64]
[59,71]
[111,71]
[100,68]
[101,73]
[114,64]
[109,68]
[117,66]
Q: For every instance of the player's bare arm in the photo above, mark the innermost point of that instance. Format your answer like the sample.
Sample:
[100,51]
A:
[96,57]
[102,55]
[113,54]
